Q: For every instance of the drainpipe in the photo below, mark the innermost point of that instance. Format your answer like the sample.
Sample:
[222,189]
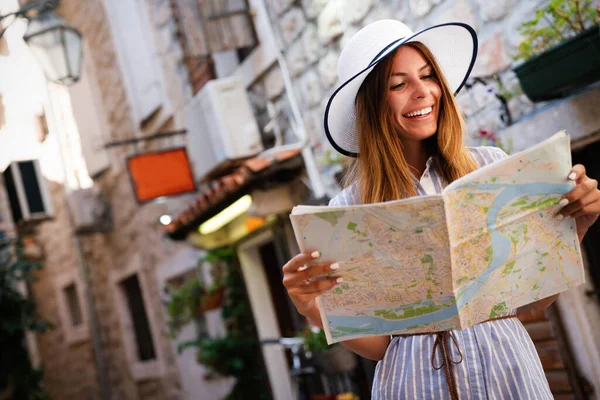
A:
[89,299]
[297,123]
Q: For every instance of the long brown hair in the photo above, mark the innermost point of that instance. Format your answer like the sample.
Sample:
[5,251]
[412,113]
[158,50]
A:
[381,169]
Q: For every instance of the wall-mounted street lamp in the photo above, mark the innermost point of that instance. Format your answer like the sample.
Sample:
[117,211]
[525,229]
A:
[55,44]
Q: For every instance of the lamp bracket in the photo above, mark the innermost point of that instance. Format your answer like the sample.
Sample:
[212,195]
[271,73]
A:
[30,10]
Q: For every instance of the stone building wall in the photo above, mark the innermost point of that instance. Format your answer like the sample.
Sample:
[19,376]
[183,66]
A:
[311,34]
[60,360]
[70,369]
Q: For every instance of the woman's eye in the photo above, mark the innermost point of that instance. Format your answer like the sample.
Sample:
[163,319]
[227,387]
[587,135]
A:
[397,86]
[429,76]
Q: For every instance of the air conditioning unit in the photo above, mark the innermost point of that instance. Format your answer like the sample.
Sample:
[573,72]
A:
[90,211]
[221,125]
[28,195]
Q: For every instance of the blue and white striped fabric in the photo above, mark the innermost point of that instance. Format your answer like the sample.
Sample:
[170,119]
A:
[499,358]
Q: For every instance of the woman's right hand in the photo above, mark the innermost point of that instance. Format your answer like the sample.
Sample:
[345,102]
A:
[299,280]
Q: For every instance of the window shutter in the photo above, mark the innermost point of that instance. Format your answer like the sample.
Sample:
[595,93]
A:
[190,23]
[133,40]
[224,25]
[228,24]
[90,119]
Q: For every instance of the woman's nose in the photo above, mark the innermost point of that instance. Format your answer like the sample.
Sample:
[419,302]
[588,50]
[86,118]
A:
[420,89]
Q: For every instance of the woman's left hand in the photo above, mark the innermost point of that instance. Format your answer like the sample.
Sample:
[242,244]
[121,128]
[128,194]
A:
[581,203]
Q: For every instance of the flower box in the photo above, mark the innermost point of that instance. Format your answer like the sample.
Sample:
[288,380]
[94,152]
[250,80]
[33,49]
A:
[563,69]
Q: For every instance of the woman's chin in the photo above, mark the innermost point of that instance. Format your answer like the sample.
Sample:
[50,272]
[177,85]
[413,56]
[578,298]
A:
[417,134]
[416,131]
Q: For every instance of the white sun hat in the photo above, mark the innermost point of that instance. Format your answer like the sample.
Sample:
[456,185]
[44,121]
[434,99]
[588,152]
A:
[453,44]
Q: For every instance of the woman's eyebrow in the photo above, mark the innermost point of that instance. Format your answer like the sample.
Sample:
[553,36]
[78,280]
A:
[404,73]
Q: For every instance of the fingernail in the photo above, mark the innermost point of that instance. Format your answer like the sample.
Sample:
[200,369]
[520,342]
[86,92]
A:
[315,254]
[563,202]
[560,217]
[339,280]
[572,176]
[334,266]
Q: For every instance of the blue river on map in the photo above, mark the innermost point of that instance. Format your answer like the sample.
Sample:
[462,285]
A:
[501,246]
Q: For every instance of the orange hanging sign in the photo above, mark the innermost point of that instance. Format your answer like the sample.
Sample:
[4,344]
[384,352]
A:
[162,173]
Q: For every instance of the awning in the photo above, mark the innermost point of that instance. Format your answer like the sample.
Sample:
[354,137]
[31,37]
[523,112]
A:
[216,195]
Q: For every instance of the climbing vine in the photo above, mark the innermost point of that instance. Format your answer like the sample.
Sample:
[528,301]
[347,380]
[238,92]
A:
[18,378]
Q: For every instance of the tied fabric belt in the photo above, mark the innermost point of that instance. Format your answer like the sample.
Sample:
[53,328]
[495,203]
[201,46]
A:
[442,342]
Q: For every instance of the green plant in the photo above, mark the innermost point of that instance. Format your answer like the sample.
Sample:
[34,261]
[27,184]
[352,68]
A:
[238,353]
[18,378]
[314,340]
[193,296]
[182,305]
[511,94]
[562,19]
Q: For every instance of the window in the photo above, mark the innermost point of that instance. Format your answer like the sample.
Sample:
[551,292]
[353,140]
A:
[133,38]
[139,329]
[211,26]
[69,287]
[227,24]
[41,127]
[213,30]
[244,52]
[139,317]
[73,305]
[33,193]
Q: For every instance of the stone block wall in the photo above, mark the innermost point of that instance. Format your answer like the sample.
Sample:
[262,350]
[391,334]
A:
[70,370]
[60,360]
[311,34]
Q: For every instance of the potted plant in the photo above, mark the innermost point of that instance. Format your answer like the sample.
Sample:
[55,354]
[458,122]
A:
[195,297]
[560,49]
[213,297]
[331,359]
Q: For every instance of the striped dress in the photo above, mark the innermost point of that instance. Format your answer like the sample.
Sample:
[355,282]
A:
[499,360]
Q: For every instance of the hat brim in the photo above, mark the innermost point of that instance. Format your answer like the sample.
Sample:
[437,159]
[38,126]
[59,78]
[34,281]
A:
[454,46]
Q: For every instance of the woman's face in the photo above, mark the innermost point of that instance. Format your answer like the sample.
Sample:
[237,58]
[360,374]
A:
[413,95]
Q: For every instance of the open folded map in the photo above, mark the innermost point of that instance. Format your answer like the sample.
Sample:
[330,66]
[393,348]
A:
[488,244]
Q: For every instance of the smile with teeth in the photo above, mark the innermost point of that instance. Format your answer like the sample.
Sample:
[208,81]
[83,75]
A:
[419,113]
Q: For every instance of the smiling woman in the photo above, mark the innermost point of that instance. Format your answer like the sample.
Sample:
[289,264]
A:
[395,113]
